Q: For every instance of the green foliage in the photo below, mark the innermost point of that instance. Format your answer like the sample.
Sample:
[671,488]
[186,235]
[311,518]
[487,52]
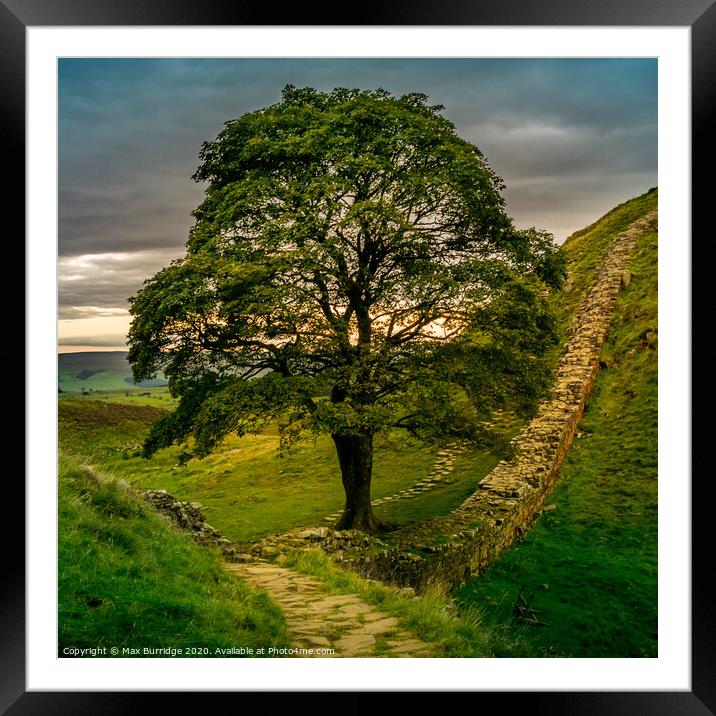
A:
[349,244]
[590,567]
[128,579]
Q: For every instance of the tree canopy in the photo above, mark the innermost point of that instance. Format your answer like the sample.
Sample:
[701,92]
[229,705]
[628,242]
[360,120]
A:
[351,268]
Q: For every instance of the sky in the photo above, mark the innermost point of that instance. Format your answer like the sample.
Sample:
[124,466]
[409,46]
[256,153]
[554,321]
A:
[571,138]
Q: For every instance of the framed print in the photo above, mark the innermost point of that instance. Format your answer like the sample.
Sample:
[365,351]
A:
[110,94]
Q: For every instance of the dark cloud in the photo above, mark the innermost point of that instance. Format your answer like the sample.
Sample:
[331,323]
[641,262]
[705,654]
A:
[102,220]
[571,138]
[95,285]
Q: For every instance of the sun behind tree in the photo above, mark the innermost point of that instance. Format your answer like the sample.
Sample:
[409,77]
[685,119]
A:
[351,269]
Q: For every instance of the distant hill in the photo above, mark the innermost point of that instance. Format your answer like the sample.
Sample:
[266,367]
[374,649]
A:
[92,371]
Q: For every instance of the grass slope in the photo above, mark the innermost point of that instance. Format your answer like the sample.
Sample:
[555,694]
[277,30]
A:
[589,568]
[246,486]
[127,579]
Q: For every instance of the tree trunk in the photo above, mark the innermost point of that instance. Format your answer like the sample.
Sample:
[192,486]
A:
[355,456]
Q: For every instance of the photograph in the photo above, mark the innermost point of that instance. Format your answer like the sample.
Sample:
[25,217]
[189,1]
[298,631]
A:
[357,357]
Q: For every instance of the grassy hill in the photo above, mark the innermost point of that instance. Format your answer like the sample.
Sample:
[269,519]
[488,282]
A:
[246,486]
[98,371]
[589,568]
[130,580]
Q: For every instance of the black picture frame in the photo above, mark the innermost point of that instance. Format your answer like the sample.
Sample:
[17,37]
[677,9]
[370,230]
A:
[699,15]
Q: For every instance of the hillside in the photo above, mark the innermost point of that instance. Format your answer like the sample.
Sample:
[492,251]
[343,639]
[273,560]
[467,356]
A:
[130,580]
[587,571]
[248,487]
[98,371]
[584,576]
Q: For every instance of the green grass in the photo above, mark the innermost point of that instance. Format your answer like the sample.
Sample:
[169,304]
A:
[585,249]
[127,579]
[469,468]
[589,568]
[102,381]
[432,617]
[101,429]
[247,487]
[157,397]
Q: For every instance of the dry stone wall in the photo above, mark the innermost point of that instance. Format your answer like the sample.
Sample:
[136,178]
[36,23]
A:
[444,552]
[189,516]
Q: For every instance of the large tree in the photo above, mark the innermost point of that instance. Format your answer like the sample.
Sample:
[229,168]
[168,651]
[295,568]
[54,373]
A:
[351,269]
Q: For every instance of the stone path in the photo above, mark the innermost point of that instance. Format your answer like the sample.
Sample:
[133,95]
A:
[318,619]
[438,476]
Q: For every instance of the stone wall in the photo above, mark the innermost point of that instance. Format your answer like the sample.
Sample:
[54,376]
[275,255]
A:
[189,516]
[444,552]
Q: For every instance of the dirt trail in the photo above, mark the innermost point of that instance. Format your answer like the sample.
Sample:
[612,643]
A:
[318,619]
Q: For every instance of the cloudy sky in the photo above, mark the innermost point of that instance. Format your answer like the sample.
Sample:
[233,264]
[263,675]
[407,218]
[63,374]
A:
[571,138]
